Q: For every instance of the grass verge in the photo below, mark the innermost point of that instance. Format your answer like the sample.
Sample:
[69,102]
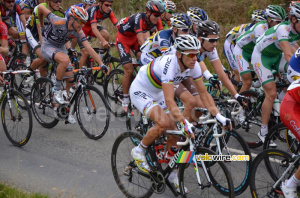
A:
[7,191]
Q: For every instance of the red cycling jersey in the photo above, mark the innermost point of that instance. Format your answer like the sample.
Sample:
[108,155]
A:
[96,16]
[290,109]
[137,23]
[3,31]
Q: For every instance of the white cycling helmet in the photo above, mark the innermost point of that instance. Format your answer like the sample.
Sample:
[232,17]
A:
[89,2]
[170,6]
[295,9]
[186,42]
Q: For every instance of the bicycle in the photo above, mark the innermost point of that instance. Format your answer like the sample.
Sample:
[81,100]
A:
[89,105]
[269,169]
[216,175]
[113,89]
[15,110]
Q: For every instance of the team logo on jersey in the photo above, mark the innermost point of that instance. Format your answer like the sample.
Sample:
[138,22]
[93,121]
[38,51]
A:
[287,116]
[274,37]
[287,29]
[59,22]
[167,66]
[252,36]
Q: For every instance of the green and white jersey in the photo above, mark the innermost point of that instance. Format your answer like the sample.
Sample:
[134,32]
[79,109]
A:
[268,43]
[247,40]
[237,31]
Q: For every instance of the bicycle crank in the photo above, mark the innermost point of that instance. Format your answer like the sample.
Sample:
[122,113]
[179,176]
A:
[158,182]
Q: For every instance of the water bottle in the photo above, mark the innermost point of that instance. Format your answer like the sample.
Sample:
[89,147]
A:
[72,91]
[276,107]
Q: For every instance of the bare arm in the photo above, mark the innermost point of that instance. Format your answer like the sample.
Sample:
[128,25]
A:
[42,11]
[168,90]
[27,13]
[287,50]
[206,98]
[217,65]
[23,20]
[142,37]
[4,47]
[92,52]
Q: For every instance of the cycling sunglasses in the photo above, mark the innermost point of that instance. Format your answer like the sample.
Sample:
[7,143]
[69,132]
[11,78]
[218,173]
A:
[157,15]
[56,1]
[82,23]
[108,5]
[211,40]
[185,30]
[190,55]
[170,11]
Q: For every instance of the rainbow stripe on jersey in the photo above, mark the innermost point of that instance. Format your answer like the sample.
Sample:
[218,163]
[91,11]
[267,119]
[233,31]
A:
[153,78]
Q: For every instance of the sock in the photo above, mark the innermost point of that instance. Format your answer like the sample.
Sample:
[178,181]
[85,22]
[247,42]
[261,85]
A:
[126,98]
[173,174]
[264,129]
[281,95]
[292,182]
[141,147]
[57,86]
[101,53]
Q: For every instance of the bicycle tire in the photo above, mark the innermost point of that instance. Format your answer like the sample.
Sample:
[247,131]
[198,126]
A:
[253,140]
[86,121]
[15,137]
[283,138]
[238,147]
[42,103]
[187,178]
[113,92]
[123,174]
[263,175]
[133,119]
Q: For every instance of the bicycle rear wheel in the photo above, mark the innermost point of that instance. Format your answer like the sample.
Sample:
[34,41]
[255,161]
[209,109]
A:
[42,103]
[266,169]
[218,173]
[283,138]
[130,180]
[233,144]
[16,121]
[92,113]
[133,119]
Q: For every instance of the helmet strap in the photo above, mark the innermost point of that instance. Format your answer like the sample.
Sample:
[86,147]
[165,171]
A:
[101,7]
[294,26]
[148,21]
[51,6]
[202,45]
[184,66]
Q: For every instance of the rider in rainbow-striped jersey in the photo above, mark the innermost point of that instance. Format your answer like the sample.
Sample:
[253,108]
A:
[273,50]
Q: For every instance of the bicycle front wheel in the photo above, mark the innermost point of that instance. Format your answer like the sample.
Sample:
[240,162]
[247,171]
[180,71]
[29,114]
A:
[113,92]
[16,121]
[217,173]
[266,169]
[92,113]
[130,180]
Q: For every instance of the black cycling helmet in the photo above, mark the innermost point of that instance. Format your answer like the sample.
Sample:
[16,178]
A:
[155,7]
[207,27]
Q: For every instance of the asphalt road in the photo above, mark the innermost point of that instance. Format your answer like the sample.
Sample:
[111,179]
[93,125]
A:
[63,162]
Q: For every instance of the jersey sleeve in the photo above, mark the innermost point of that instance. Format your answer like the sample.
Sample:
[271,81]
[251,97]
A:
[213,55]
[163,41]
[282,33]
[159,25]
[92,15]
[260,30]
[80,38]
[138,23]
[113,18]
[197,73]
[18,10]
[3,31]
[169,71]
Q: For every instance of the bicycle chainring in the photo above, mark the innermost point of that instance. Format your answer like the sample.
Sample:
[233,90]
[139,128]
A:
[61,112]
[158,182]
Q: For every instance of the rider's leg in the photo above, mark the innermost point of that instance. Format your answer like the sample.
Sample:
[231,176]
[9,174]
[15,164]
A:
[247,81]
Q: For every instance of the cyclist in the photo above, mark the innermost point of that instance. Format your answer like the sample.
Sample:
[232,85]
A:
[152,93]
[12,15]
[132,33]
[208,33]
[271,52]
[85,4]
[56,35]
[34,36]
[289,115]
[27,6]
[231,37]
[98,13]
[160,43]
[196,15]
[246,42]
[166,16]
